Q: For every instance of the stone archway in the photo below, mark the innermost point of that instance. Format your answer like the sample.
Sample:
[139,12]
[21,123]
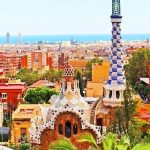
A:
[74,122]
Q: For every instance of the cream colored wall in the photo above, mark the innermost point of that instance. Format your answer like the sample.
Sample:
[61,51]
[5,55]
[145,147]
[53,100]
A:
[94,89]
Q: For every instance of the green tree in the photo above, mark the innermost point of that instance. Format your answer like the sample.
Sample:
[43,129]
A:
[39,95]
[28,76]
[124,115]
[89,66]
[53,75]
[138,66]
[81,86]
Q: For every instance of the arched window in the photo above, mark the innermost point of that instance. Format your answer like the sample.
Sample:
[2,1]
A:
[117,94]
[110,93]
[75,129]
[60,129]
[68,129]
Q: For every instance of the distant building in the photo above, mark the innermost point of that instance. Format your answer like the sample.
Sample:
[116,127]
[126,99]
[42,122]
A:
[79,65]
[19,38]
[100,75]
[21,120]
[7,38]
[11,94]
[37,60]
[61,61]
[10,62]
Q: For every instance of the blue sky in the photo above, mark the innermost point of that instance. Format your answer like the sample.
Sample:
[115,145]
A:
[71,16]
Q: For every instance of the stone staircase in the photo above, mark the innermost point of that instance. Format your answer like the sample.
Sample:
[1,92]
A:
[92,117]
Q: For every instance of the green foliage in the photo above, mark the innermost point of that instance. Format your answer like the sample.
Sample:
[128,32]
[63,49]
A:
[124,115]
[89,138]
[39,95]
[138,66]
[24,146]
[130,106]
[109,141]
[12,146]
[62,144]
[89,66]
[123,143]
[141,147]
[53,75]
[81,86]
[28,76]
[6,122]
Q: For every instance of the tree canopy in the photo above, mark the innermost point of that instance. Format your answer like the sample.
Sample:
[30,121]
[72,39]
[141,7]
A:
[39,95]
[138,65]
[53,75]
[28,76]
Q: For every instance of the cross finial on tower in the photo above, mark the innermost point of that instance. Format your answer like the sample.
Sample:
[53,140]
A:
[116,11]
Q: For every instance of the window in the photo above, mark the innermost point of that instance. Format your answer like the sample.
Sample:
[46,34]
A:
[36,57]
[110,93]
[23,132]
[4,105]
[4,95]
[60,129]
[75,129]
[68,129]
[117,94]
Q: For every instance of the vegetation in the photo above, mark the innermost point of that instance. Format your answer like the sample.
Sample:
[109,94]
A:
[24,145]
[81,86]
[28,76]
[138,67]
[53,75]
[39,95]
[89,66]
[124,116]
[62,144]
[109,142]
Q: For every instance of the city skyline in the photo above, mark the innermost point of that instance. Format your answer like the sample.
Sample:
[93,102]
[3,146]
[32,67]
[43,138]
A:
[44,17]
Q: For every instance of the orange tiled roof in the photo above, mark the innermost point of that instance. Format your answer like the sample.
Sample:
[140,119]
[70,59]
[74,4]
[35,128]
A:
[78,63]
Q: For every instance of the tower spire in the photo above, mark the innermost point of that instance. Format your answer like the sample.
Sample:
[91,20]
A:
[116,82]
[116,7]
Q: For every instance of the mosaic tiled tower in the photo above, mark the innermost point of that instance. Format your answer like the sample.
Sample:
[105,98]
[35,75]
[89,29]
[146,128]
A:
[116,82]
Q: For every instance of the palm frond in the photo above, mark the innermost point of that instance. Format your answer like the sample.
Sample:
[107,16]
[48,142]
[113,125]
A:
[145,146]
[62,144]
[109,141]
[88,138]
[123,143]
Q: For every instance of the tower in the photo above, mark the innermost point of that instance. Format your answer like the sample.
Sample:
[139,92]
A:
[7,37]
[19,38]
[116,82]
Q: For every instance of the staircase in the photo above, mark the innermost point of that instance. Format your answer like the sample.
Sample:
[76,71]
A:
[92,117]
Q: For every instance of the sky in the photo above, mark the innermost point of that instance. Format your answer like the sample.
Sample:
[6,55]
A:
[48,17]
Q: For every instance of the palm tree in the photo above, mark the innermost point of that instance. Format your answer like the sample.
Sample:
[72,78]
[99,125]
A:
[89,138]
[62,144]
[109,141]
[123,143]
[143,146]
